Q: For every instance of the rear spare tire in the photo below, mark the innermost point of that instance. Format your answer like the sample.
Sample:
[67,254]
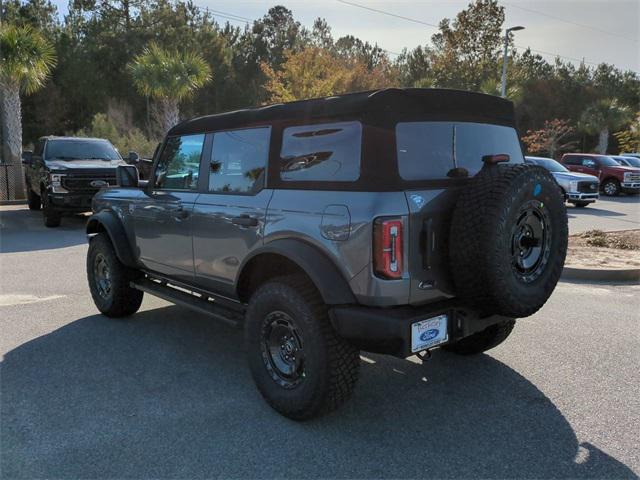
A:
[508,240]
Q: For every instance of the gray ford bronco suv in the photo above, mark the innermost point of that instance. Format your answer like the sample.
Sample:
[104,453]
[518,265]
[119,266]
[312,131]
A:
[392,221]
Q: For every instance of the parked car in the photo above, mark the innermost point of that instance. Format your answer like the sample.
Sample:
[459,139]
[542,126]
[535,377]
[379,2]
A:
[627,161]
[614,178]
[636,155]
[393,221]
[63,174]
[579,189]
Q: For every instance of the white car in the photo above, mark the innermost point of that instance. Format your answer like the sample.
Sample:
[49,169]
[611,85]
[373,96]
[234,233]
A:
[580,189]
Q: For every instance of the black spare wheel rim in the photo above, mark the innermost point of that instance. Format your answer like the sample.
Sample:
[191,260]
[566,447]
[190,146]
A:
[530,241]
[282,351]
[102,275]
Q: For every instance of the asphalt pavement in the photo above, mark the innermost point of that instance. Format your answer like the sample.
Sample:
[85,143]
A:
[166,393]
[608,214]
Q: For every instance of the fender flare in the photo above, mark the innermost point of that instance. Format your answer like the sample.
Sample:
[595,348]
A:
[109,222]
[333,287]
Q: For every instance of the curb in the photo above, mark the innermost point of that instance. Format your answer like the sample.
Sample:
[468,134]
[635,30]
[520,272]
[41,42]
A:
[13,202]
[599,275]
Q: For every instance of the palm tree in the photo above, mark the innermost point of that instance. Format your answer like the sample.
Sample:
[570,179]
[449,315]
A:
[26,60]
[603,116]
[168,77]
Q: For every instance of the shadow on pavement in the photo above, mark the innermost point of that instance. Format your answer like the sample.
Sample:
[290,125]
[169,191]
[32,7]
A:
[22,230]
[166,393]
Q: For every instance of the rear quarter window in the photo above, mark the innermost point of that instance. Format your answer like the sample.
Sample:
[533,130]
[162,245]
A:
[321,152]
[430,150]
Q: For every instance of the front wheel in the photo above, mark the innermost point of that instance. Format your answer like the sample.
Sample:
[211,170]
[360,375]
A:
[109,280]
[611,187]
[33,200]
[300,366]
[488,338]
[50,216]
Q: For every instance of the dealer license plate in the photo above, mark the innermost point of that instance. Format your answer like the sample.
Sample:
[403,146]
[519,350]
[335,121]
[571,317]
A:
[429,333]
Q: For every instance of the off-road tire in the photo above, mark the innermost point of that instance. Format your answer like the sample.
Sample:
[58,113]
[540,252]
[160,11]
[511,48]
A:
[483,255]
[121,300]
[611,187]
[580,204]
[33,200]
[482,341]
[331,364]
[50,216]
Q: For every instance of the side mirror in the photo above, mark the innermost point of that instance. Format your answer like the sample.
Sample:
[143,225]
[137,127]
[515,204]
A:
[27,157]
[127,176]
[133,157]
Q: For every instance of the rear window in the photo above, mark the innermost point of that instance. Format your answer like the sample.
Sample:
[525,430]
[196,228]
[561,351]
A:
[428,150]
[321,152]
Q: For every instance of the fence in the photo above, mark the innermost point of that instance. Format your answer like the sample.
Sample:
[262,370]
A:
[11,182]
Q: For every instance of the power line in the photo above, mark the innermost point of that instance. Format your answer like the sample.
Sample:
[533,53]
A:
[571,22]
[231,15]
[541,52]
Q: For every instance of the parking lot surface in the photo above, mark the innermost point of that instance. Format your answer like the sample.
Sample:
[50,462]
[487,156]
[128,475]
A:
[166,393]
[608,214]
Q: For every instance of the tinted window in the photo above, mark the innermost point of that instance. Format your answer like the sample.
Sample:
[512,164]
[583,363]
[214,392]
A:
[179,163]
[547,163]
[425,149]
[475,140]
[238,160]
[323,152]
[39,150]
[607,161]
[571,160]
[80,150]
[589,162]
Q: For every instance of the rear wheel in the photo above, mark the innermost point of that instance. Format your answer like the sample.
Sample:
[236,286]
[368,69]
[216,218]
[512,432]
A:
[580,204]
[611,187]
[109,280]
[33,200]
[482,341]
[300,366]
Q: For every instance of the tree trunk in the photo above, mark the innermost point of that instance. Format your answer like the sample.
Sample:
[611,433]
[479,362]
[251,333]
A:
[170,112]
[603,141]
[11,123]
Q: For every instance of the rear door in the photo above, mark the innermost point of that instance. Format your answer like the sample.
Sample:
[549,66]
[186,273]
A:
[228,218]
[163,217]
[444,155]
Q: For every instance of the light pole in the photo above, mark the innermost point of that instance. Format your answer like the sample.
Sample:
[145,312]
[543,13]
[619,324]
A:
[506,55]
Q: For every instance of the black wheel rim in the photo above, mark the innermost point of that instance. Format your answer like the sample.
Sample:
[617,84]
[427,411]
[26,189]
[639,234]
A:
[282,351]
[530,241]
[102,275]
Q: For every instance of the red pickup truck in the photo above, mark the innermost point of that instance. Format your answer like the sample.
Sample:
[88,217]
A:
[614,178]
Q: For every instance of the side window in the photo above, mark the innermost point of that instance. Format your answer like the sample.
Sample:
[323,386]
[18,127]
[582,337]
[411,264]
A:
[179,163]
[238,160]
[588,162]
[425,149]
[39,150]
[475,140]
[327,152]
[571,160]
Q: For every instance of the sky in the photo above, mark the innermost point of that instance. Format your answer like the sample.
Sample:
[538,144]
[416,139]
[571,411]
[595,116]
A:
[591,30]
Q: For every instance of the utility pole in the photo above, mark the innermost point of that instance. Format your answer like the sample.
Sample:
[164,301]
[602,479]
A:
[503,91]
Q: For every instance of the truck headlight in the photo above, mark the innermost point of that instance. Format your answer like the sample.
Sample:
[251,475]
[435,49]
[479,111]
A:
[55,179]
[573,186]
[627,176]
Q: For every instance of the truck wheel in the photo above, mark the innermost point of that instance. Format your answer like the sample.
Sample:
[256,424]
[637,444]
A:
[508,240]
[482,341]
[109,280]
[50,216]
[580,204]
[33,200]
[611,187]
[299,364]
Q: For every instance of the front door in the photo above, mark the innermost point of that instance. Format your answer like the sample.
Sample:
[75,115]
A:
[163,218]
[228,219]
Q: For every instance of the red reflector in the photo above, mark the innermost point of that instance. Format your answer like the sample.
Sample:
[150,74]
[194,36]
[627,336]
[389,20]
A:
[498,158]
[387,248]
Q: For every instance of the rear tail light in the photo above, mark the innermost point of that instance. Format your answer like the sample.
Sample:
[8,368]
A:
[387,247]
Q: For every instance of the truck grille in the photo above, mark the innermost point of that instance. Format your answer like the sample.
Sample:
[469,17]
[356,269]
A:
[634,177]
[82,182]
[588,187]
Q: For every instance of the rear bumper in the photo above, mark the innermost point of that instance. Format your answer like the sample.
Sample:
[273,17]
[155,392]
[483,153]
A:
[388,330]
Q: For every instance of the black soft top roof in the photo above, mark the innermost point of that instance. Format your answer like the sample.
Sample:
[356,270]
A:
[378,106]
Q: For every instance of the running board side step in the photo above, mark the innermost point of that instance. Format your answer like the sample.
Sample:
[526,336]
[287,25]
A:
[195,301]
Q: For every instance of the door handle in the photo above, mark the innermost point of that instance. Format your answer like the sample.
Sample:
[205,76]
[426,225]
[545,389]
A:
[245,221]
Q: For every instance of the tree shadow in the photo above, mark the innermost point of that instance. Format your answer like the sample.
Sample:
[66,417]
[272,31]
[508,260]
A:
[22,230]
[166,393]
